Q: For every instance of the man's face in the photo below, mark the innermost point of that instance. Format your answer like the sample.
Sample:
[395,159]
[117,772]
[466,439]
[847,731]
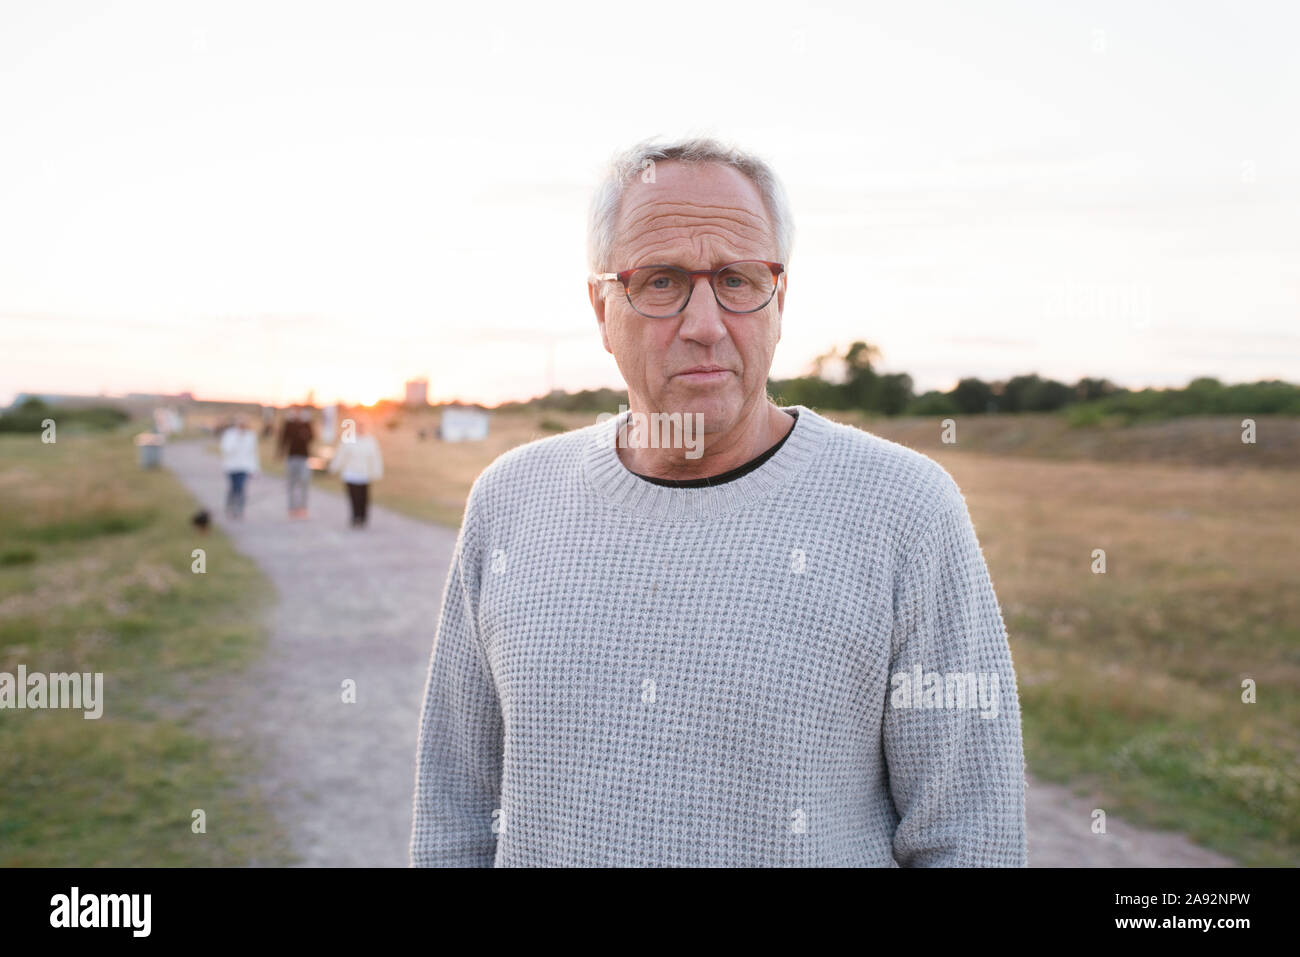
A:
[696,216]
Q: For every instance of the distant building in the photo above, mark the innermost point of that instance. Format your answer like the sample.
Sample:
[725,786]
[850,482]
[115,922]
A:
[464,423]
[417,392]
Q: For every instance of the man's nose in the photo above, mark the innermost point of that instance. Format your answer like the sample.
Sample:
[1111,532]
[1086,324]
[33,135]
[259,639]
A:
[702,317]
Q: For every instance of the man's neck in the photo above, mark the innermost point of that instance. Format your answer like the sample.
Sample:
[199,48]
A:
[751,436]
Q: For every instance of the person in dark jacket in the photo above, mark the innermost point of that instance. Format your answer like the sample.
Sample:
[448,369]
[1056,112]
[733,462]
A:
[295,445]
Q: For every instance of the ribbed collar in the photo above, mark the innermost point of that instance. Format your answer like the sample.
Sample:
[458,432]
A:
[606,475]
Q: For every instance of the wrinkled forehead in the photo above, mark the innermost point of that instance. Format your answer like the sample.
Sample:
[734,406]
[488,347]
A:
[694,207]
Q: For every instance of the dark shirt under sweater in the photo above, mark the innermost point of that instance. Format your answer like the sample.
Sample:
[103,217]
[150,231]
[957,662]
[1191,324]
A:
[729,476]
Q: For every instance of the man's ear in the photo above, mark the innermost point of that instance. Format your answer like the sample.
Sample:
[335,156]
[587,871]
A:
[598,306]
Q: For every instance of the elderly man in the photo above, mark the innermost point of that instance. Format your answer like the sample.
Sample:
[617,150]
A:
[743,635]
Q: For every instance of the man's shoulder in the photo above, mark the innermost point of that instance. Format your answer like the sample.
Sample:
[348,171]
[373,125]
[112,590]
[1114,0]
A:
[537,461]
[878,455]
[883,473]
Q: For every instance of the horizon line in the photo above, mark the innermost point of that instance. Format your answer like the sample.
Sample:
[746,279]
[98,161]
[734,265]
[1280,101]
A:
[187,395]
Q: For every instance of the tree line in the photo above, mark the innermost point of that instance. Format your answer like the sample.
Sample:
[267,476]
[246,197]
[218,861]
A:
[860,387]
[848,379]
[29,415]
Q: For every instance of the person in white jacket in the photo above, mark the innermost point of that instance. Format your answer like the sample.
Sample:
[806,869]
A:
[357,460]
[239,459]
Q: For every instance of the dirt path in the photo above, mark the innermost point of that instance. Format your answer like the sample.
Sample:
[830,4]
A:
[1060,835]
[363,605]
[353,604]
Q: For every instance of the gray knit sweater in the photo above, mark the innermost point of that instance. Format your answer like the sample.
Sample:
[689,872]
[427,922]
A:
[805,666]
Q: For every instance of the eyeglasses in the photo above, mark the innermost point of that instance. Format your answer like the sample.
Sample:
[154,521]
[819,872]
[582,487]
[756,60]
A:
[660,292]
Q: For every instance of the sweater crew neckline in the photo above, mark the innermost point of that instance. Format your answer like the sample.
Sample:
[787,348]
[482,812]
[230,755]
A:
[606,474]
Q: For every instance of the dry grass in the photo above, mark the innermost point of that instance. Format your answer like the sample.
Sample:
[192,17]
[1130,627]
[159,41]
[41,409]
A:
[1132,679]
[1193,440]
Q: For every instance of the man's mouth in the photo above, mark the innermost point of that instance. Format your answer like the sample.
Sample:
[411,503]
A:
[708,373]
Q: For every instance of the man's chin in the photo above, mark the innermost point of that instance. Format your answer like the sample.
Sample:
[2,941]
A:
[718,412]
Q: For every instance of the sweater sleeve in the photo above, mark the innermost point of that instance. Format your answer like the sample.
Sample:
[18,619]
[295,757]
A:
[461,736]
[953,744]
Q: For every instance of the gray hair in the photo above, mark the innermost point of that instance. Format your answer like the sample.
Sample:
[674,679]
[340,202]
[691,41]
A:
[632,162]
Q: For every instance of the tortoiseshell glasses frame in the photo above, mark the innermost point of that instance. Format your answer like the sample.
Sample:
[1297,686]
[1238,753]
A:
[625,277]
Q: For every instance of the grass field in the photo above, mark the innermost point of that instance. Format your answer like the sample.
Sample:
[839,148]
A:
[1191,440]
[95,576]
[1130,680]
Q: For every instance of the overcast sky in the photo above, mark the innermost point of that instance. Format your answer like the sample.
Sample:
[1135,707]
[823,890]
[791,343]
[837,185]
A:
[251,200]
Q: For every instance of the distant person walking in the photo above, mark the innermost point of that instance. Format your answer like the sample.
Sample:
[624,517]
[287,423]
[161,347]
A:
[358,462]
[239,459]
[295,446]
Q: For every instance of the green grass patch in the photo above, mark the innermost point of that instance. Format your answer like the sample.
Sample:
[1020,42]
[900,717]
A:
[1166,747]
[83,527]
